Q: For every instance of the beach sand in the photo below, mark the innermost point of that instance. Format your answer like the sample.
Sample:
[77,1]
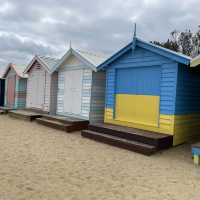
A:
[38,162]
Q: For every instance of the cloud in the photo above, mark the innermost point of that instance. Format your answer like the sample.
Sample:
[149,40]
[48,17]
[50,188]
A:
[46,27]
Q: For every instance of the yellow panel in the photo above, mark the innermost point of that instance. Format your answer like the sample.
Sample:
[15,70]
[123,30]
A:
[186,127]
[141,109]
[108,114]
[196,159]
[182,127]
[167,123]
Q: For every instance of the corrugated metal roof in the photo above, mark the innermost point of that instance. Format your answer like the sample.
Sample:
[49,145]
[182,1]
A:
[20,70]
[48,61]
[92,57]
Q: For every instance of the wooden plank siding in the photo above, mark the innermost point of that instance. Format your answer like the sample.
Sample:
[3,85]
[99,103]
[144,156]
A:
[10,73]
[92,94]
[144,58]
[60,95]
[187,109]
[97,97]
[53,93]
[86,93]
[20,90]
[46,106]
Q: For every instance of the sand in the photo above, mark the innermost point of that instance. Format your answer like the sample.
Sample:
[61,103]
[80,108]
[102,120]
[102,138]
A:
[38,162]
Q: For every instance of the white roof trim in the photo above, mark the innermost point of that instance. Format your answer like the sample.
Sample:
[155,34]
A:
[36,58]
[13,66]
[74,52]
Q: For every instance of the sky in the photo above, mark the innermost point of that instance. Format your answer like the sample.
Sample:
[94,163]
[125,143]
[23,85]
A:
[45,27]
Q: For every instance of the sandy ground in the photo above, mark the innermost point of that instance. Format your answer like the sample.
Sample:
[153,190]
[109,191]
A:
[37,162]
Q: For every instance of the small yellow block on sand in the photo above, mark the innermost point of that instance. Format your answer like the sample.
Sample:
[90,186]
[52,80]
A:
[196,159]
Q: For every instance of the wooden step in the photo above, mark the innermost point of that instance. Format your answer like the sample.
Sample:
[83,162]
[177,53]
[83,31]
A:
[160,141]
[52,124]
[66,120]
[5,109]
[120,142]
[3,112]
[59,125]
[24,115]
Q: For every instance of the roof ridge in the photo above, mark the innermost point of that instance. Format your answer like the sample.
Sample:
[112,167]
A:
[92,53]
[49,57]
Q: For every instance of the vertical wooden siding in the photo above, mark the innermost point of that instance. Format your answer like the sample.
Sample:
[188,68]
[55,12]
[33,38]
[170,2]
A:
[86,92]
[60,95]
[53,93]
[47,90]
[21,89]
[11,73]
[97,97]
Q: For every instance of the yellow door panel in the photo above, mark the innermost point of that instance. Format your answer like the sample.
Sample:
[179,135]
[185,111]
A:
[142,109]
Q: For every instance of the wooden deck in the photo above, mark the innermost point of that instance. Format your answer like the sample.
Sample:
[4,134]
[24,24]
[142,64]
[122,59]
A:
[24,114]
[68,124]
[5,110]
[145,142]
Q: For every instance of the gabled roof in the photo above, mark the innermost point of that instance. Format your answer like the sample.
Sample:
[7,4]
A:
[91,59]
[47,62]
[19,69]
[195,61]
[178,57]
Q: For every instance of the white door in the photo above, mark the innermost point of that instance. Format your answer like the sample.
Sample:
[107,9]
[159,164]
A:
[36,90]
[73,91]
[40,82]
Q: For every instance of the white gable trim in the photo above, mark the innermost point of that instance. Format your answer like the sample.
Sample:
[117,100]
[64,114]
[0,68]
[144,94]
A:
[10,65]
[77,55]
[36,58]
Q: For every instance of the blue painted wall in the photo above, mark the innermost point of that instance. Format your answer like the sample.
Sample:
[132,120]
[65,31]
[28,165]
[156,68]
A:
[142,59]
[139,80]
[188,90]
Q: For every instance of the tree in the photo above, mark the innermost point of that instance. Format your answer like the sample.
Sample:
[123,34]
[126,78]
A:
[185,42]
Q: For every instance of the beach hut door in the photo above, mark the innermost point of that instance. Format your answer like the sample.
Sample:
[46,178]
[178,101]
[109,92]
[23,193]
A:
[11,91]
[37,87]
[73,92]
[138,95]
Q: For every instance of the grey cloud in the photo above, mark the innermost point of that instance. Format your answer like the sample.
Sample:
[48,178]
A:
[99,25]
